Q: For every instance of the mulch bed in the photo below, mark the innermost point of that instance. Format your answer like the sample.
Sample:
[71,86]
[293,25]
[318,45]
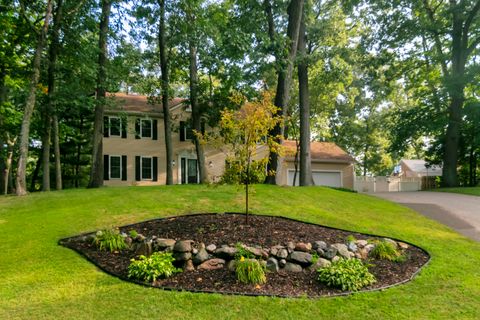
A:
[265,231]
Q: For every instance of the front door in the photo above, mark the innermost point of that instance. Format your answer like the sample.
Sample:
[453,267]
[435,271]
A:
[189,169]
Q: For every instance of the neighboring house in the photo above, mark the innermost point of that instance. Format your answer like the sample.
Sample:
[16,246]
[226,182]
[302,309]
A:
[417,169]
[134,149]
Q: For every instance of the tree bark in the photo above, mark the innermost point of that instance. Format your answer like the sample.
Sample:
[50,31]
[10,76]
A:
[56,150]
[3,158]
[167,122]
[21,182]
[96,173]
[282,96]
[8,164]
[306,178]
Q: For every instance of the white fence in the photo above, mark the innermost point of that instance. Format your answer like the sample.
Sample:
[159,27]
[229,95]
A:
[387,184]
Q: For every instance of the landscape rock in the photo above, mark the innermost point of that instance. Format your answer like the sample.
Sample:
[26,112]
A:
[342,250]
[300,257]
[335,259]
[330,253]
[392,242]
[163,244]
[194,251]
[274,250]
[188,266]
[352,247]
[183,246]
[369,247]
[292,267]
[403,245]
[182,256]
[302,246]
[290,246]
[258,252]
[140,237]
[144,248]
[320,263]
[232,265]
[319,245]
[320,252]
[128,241]
[225,252]
[272,265]
[361,243]
[282,253]
[212,264]
[211,248]
[201,256]
[282,262]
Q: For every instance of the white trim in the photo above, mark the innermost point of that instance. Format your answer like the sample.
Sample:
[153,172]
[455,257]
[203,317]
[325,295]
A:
[188,156]
[141,168]
[320,171]
[151,128]
[110,167]
[110,127]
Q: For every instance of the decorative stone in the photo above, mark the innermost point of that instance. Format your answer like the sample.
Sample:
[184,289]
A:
[302,246]
[188,266]
[302,258]
[320,252]
[351,246]
[335,259]
[212,264]
[320,263]
[194,251]
[403,245]
[272,265]
[225,252]
[201,256]
[144,248]
[361,243]
[369,247]
[393,242]
[275,249]
[258,252]
[211,248]
[128,241]
[182,256]
[232,265]
[363,253]
[319,245]
[282,253]
[292,267]
[342,250]
[330,253]
[183,246]
[290,246]
[163,244]
[140,237]
[282,262]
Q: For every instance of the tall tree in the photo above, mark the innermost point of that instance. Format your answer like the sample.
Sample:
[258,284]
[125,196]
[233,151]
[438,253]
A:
[21,184]
[96,174]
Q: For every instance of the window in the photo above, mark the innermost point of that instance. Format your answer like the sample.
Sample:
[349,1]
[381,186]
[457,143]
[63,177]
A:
[146,128]
[186,132]
[115,126]
[146,168]
[115,167]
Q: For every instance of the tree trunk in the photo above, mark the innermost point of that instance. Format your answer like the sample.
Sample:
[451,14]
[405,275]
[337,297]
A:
[3,157]
[79,157]
[8,165]
[165,92]
[30,105]
[50,106]
[295,10]
[306,178]
[96,173]
[56,150]
[35,173]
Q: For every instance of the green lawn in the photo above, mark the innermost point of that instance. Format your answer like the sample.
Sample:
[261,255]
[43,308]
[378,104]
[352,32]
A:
[474,191]
[41,280]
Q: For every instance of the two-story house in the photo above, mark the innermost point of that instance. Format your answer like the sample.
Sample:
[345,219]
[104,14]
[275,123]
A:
[134,149]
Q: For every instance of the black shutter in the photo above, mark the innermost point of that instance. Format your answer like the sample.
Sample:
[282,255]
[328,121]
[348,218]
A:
[105,127]
[124,128]
[154,133]
[106,166]
[124,168]
[137,128]
[182,130]
[137,168]
[155,169]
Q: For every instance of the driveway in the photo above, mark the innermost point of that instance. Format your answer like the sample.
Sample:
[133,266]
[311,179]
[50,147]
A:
[458,211]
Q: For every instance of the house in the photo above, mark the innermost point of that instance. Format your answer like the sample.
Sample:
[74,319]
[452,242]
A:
[134,149]
[417,169]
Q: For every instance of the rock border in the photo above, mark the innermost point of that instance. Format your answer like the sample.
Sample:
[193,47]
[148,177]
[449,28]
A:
[224,255]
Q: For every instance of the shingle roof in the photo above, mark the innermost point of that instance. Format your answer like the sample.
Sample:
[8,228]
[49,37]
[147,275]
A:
[138,103]
[320,151]
[419,167]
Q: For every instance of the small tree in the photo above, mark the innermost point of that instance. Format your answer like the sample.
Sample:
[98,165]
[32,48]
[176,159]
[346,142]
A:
[244,136]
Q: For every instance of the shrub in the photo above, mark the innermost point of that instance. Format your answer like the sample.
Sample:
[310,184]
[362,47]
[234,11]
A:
[347,275]
[386,251]
[133,233]
[158,265]
[109,239]
[250,271]
[242,252]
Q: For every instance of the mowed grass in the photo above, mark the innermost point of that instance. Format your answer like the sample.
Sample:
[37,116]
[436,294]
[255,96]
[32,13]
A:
[474,191]
[42,280]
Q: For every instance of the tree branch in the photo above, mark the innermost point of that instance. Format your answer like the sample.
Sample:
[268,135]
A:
[469,20]
[473,46]
[436,36]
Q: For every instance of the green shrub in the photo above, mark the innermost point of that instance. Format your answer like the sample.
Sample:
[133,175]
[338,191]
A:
[347,275]
[242,252]
[250,271]
[109,239]
[385,250]
[133,233]
[158,265]
[350,238]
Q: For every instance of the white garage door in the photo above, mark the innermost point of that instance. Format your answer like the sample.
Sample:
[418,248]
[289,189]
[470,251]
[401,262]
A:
[320,178]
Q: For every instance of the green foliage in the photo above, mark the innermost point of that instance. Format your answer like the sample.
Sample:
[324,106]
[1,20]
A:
[250,271]
[133,233]
[109,239]
[242,252]
[158,265]
[346,274]
[350,238]
[385,250]
[315,257]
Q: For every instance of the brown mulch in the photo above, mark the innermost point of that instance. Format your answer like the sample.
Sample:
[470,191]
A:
[266,231]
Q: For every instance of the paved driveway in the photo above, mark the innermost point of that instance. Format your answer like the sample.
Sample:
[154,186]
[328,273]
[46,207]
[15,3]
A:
[460,212]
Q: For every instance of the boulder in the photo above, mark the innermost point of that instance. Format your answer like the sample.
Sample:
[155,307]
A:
[330,253]
[282,262]
[188,266]
[320,252]
[226,252]
[282,253]
[232,265]
[183,246]
[352,247]
[211,248]
[272,265]
[275,249]
[369,247]
[212,264]
[403,245]
[144,248]
[392,242]
[336,258]
[361,243]
[300,257]
[201,256]
[292,267]
[320,263]
[342,250]
[182,256]
[302,246]
[164,244]
[290,246]
[319,245]
[258,252]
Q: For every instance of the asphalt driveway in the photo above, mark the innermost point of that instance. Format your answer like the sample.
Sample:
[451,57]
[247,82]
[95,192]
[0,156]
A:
[458,211]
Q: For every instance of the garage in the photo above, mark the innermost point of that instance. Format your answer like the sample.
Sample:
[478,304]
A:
[320,178]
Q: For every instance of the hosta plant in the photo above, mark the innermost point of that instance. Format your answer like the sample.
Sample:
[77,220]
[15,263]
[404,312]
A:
[346,275]
[158,265]
[109,239]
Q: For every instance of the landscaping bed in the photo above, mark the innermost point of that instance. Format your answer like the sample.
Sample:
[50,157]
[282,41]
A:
[205,247]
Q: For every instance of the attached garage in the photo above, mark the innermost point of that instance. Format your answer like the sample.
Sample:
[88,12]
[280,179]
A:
[320,178]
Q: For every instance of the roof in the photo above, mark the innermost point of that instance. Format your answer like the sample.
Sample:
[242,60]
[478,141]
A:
[138,104]
[320,151]
[419,167]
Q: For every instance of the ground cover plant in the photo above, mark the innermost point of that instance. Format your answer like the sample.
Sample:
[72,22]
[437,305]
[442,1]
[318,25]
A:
[43,280]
